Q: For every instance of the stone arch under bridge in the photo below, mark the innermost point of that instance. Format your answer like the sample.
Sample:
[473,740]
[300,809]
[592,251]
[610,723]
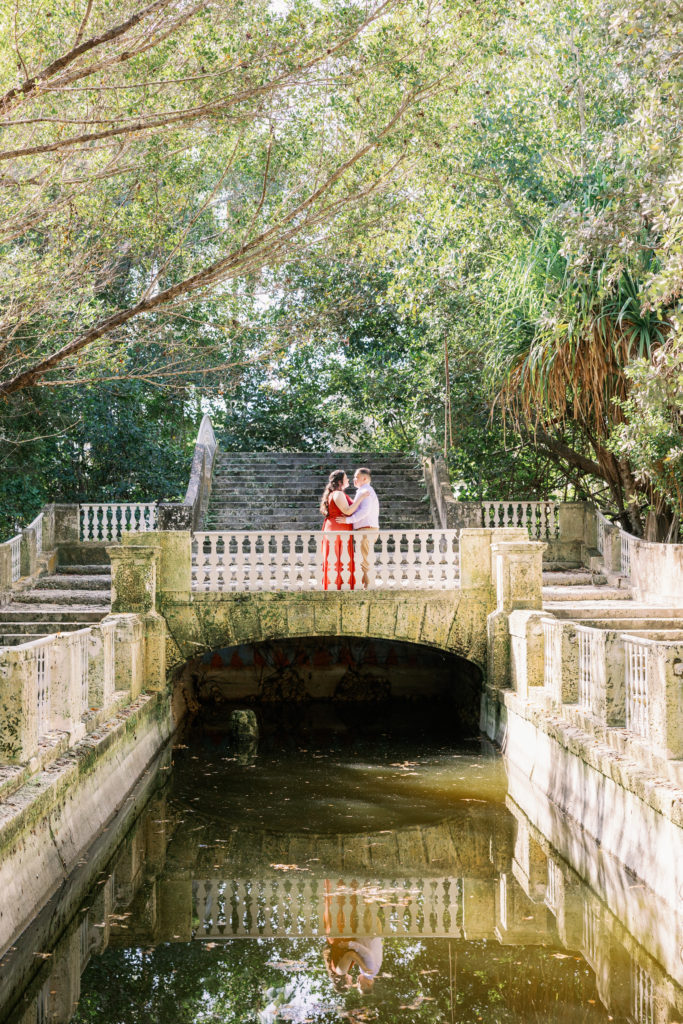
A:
[452,622]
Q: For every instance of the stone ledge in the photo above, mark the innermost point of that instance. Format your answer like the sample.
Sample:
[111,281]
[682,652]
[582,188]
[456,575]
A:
[657,792]
[54,816]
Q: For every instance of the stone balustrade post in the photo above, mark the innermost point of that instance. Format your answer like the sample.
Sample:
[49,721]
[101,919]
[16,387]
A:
[175,565]
[611,553]
[567,905]
[18,706]
[129,658]
[136,566]
[5,574]
[577,531]
[29,551]
[475,560]
[66,529]
[66,707]
[529,863]
[518,582]
[101,656]
[608,682]
[527,651]
[563,687]
[665,699]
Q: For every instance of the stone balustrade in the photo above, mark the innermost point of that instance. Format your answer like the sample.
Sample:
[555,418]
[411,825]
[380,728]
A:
[107,521]
[65,684]
[621,680]
[289,560]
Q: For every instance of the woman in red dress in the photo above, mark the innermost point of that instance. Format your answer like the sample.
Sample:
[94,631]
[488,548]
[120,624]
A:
[331,504]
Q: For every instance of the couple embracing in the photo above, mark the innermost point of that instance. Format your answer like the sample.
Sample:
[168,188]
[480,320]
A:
[343,514]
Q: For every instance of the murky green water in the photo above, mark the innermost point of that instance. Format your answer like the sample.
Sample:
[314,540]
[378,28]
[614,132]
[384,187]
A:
[351,869]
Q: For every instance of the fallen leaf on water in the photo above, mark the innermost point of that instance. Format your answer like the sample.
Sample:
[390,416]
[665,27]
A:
[418,1001]
[288,965]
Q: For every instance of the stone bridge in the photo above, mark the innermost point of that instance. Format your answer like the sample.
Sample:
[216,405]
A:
[152,578]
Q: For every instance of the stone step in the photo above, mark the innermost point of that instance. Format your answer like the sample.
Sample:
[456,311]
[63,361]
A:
[72,582]
[238,502]
[299,523]
[11,614]
[612,609]
[625,623]
[55,598]
[83,570]
[585,593]
[43,628]
[316,458]
[579,578]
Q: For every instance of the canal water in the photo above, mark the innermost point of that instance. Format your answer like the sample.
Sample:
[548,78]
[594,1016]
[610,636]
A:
[355,865]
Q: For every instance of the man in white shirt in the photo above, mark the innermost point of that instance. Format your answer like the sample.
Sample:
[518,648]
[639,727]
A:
[364,514]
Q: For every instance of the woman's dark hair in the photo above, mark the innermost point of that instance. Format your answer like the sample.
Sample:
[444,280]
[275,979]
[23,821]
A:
[335,483]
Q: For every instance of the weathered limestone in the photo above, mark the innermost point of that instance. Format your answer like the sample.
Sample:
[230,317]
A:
[518,575]
[18,706]
[188,514]
[54,818]
[67,527]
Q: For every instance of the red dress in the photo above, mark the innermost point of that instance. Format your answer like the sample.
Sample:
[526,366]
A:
[332,568]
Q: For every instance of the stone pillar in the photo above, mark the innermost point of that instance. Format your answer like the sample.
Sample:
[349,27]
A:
[5,574]
[135,565]
[66,524]
[65,978]
[611,554]
[527,650]
[18,707]
[475,560]
[609,687]
[129,654]
[519,580]
[133,576]
[65,693]
[174,516]
[175,564]
[529,864]
[665,698]
[29,551]
[175,910]
[577,532]
[478,908]
[101,655]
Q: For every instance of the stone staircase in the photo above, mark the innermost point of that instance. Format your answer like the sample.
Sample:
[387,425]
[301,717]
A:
[71,598]
[281,491]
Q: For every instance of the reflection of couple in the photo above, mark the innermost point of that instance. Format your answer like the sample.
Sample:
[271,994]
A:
[341,955]
[343,514]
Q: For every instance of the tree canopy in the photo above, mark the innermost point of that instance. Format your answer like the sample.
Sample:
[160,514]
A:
[399,224]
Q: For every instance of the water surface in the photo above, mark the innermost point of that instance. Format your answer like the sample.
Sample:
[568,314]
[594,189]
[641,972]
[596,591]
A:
[356,867]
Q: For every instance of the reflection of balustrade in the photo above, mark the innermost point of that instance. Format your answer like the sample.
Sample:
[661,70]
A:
[541,518]
[293,560]
[642,996]
[108,521]
[300,906]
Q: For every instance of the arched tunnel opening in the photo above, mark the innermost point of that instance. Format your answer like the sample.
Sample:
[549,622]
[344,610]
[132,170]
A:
[331,687]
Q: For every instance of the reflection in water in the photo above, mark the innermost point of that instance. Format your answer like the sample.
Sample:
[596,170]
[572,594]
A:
[373,882]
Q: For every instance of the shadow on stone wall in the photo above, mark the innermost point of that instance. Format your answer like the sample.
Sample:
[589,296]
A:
[330,670]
